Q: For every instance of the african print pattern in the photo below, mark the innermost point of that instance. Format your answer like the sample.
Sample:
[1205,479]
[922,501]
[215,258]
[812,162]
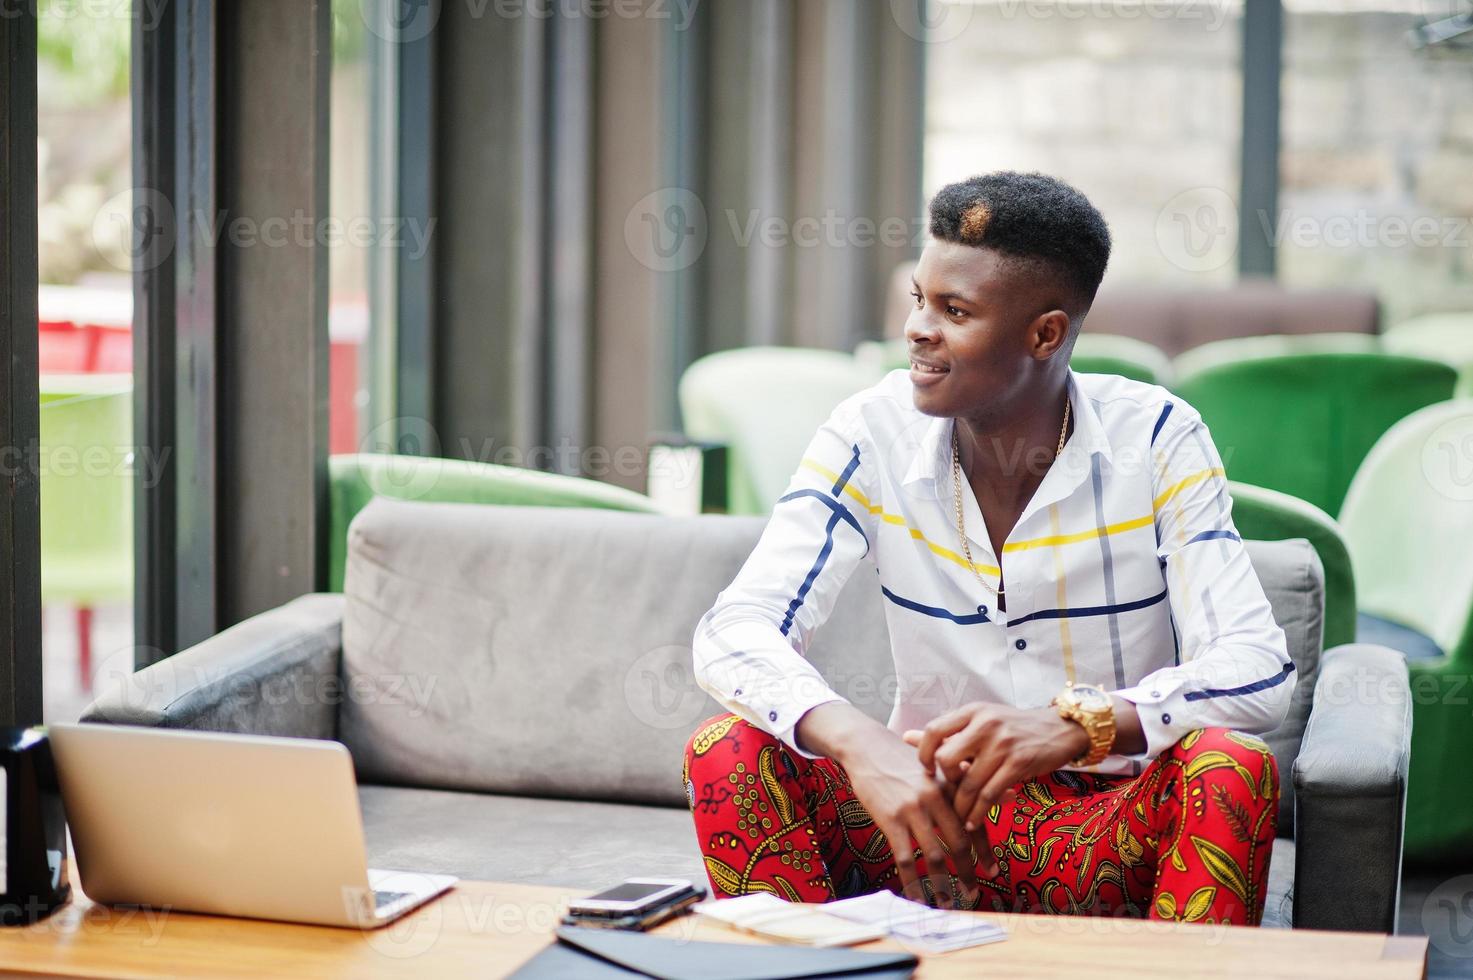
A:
[1189,839]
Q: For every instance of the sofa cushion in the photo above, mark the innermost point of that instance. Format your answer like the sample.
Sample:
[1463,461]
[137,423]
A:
[1294,581]
[478,657]
[524,839]
[581,845]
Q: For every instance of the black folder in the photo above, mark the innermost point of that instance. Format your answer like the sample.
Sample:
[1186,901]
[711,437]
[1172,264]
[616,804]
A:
[598,953]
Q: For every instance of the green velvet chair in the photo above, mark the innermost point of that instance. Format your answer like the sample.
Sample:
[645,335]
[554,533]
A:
[1108,353]
[765,404]
[1446,337]
[1437,336]
[86,497]
[1302,422]
[1273,345]
[355,479]
[1408,521]
[1268,515]
[1094,353]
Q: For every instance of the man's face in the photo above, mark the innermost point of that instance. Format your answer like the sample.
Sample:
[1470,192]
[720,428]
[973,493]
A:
[973,333]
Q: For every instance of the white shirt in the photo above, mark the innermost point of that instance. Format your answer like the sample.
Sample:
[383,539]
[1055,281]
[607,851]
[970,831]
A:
[1124,571]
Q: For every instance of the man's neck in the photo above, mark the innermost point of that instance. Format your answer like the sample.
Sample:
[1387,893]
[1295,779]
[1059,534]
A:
[1007,458]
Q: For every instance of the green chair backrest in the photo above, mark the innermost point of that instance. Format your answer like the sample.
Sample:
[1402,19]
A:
[1268,515]
[1272,345]
[1094,353]
[1302,423]
[1108,353]
[86,471]
[355,479]
[1446,337]
[765,404]
[1408,521]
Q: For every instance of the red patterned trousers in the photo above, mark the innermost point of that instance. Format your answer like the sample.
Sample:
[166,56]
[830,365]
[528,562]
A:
[1188,839]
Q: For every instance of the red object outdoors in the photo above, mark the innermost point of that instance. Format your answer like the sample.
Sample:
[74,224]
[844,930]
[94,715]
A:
[89,331]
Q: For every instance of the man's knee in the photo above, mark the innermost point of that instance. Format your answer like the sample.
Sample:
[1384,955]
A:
[1246,753]
[730,732]
[717,746]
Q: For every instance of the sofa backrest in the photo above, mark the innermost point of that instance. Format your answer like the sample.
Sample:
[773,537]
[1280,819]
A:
[546,651]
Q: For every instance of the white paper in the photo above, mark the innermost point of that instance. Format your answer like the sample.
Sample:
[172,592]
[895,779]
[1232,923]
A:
[916,925]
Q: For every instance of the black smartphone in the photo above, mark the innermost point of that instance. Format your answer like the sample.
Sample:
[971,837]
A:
[631,897]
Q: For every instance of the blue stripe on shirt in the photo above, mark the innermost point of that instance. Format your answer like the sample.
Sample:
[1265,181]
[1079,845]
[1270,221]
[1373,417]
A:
[823,557]
[1210,535]
[1079,612]
[843,479]
[1228,692]
[967,619]
[1160,421]
[838,508]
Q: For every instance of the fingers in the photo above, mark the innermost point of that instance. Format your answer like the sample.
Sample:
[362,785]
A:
[912,736]
[937,731]
[1001,785]
[952,846]
[900,837]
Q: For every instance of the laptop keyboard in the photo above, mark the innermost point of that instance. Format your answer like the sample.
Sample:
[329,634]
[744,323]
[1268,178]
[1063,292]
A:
[384,899]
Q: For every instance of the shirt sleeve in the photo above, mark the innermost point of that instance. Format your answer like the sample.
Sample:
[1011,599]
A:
[1234,669]
[749,648]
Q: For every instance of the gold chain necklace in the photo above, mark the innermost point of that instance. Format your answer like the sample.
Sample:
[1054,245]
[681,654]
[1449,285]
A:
[956,483]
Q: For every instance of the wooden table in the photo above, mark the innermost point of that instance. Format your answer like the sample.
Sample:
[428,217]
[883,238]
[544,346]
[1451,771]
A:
[487,929]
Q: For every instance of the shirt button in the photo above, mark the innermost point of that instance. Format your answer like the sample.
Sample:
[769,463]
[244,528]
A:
[1154,694]
[738,692]
[982,610]
[772,716]
[1166,719]
[1021,644]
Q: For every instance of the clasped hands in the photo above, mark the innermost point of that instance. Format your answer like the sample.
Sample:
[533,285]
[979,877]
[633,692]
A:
[936,785]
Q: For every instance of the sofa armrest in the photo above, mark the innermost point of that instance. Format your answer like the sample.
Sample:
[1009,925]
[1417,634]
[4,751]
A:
[1350,782]
[273,674]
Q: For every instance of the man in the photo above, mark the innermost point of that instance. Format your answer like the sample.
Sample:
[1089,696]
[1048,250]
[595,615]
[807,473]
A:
[1063,544]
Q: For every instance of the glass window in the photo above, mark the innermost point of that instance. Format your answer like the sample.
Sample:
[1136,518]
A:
[86,454]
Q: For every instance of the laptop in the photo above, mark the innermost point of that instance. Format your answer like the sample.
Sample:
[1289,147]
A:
[241,825]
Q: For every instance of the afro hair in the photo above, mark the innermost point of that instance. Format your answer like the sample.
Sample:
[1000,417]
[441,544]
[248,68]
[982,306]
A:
[1034,218]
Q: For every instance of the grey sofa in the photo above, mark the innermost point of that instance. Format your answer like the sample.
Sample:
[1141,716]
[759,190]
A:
[515,686]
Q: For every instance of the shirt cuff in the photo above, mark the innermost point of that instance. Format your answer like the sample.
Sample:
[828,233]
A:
[772,689]
[1163,713]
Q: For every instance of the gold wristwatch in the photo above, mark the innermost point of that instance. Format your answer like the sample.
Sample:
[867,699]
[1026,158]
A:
[1093,709]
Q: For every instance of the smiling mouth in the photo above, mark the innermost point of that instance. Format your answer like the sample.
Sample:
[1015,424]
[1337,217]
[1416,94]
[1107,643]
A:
[926,368]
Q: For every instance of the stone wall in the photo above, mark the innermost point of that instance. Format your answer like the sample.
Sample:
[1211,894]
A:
[1139,105]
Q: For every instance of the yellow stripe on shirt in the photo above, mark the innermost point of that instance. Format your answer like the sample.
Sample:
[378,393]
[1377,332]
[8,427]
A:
[1185,482]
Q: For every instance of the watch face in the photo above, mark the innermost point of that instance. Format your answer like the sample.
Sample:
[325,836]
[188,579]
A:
[1090,698]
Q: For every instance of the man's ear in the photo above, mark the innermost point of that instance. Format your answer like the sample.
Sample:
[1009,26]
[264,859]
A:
[1048,334]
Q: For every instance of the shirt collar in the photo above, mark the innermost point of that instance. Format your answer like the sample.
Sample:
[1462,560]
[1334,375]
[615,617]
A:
[933,455]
